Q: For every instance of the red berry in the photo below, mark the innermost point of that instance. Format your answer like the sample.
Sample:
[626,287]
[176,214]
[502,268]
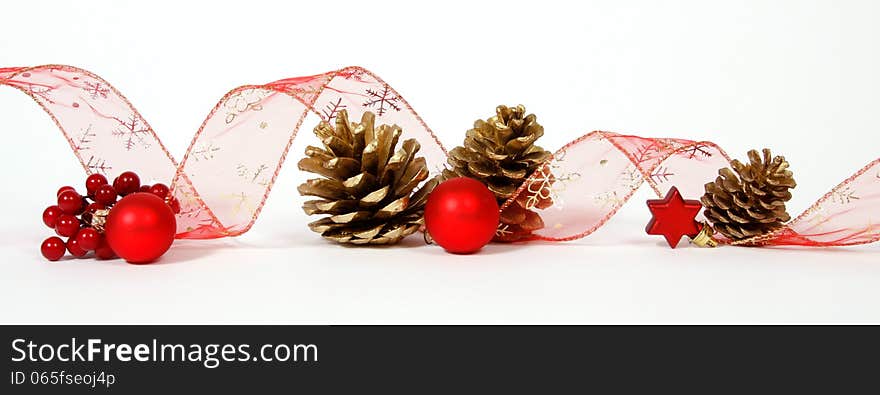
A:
[92,207]
[105,194]
[103,250]
[67,225]
[175,205]
[144,188]
[126,183]
[65,188]
[93,182]
[74,248]
[50,215]
[87,238]
[70,202]
[53,248]
[160,190]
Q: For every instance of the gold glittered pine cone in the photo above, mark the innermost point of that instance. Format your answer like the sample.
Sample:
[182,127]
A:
[749,200]
[367,188]
[501,153]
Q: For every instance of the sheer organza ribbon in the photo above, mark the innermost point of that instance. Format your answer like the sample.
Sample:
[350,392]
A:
[229,168]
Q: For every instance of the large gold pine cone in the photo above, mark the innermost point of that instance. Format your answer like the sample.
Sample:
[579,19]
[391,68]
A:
[369,189]
[749,200]
[501,151]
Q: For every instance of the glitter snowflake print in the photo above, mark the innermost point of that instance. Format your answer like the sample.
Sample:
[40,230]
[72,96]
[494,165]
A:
[382,101]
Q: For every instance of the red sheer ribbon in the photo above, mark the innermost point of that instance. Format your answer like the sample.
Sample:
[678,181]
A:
[227,172]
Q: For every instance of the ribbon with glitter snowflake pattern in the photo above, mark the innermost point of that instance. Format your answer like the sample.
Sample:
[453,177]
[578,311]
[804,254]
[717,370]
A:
[227,172]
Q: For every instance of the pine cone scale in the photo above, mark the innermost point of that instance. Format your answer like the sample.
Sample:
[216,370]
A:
[351,217]
[414,175]
[502,191]
[464,155]
[375,197]
[360,182]
[535,156]
[368,234]
[323,188]
[392,209]
[420,197]
[483,169]
[334,207]
[520,144]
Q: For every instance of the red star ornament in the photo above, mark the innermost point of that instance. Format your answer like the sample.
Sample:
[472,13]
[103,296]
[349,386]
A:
[673,217]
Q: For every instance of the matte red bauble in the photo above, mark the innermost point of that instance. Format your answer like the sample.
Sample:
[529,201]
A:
[140,227]
[461,215]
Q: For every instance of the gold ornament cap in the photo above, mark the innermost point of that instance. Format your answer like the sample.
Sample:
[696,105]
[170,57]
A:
[704,238]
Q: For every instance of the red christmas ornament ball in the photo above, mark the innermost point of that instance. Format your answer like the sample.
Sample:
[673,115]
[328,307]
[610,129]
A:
[93,182]
[67,225]
[70,202]
[140,227]
[88,238]
[50,216]
[461,215]
[74,248]
[175,205]
[126,183]
[53,248]
[103,250]
[160,190]
[93,207]
[64,188]
[105,194]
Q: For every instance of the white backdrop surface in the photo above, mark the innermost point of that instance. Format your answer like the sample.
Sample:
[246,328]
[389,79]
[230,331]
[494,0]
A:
[799,77]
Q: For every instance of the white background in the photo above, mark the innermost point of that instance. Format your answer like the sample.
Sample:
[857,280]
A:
[800,77]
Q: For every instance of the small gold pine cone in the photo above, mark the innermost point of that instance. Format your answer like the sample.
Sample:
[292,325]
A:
[749,200]
[501,153]
[367,188]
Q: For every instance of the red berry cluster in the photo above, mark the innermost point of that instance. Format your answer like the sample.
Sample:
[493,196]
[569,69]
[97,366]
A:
[72,216]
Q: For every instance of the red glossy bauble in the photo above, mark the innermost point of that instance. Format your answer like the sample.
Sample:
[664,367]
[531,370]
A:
[140,227]
[461,215]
